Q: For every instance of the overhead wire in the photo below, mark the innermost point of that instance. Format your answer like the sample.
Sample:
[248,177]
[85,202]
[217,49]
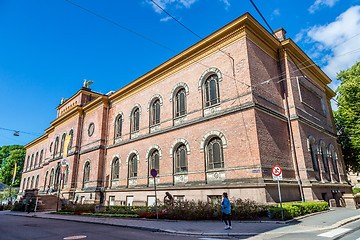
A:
[172,50]
[314,64]
[149,39]
[121,26]
[17,131]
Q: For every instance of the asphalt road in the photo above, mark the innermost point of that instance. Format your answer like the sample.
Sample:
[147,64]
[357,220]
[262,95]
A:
[349,231]
[27,228]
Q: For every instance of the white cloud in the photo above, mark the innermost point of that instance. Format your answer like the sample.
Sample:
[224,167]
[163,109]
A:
[337,42]
[227,4]
[276,12]
[165,19]
[319,3]
[166,3]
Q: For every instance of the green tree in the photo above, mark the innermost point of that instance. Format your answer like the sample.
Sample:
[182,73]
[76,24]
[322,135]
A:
[5,195]
[347,117]
[9,155]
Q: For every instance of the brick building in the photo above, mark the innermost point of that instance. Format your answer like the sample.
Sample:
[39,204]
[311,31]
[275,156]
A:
[216,117]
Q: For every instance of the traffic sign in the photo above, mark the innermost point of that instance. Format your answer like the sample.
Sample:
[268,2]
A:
[277,176]
[153,172]
[276,170]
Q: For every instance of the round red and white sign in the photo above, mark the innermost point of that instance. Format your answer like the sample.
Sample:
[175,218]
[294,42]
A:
[276,170]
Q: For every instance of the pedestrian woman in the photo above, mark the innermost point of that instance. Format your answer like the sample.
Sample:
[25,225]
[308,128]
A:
[226,211]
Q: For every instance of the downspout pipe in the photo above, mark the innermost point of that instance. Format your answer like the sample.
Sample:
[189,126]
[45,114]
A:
[291,136]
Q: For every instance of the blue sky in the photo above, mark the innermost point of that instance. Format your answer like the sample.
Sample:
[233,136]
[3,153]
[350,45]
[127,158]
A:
[47,48]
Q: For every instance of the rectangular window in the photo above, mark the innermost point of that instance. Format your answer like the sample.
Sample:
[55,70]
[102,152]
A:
[179,197]
[214,199]
[112,200]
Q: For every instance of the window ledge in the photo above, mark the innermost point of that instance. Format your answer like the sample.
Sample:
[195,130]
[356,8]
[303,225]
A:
[134,134]
[181,178]
[215,176]
[154,128]
[118,140]
[179,120]
[212,109]
[132,181]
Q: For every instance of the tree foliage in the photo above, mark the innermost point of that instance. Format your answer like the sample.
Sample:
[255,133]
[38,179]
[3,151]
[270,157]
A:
[347,117]
[5,195]
[9,155]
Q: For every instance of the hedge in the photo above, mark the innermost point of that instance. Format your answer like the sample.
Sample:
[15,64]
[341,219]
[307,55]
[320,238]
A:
[198,210]
[292,210]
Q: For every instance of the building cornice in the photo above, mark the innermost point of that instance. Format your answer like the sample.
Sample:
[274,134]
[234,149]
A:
[66,116]
[100,101]
[82,90]
[306,64]
[38,140]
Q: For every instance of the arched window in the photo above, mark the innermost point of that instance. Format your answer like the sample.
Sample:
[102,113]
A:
[133,166]
[211,90]
[41,156]
[334,160]
[115,169]
[57,178]
[24,184]
[135,120]
[118,126]
[71,134]
[27,163]
[155,113]
[324,158]
[51,181]
[28,183]
[313,151]
[56,146]
[181,164]
[66,176]
[86,172]
[37,181]
[45,180]
[32,183]
[180,103]
[36,159]
[62,143]
[32,161]
[214,154]
[154,161]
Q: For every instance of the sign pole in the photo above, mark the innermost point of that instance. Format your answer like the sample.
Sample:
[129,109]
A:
[157,214]
[282,213]
[277,176]
[153,173]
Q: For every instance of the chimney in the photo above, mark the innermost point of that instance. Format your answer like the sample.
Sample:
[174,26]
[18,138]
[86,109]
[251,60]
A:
[280,34]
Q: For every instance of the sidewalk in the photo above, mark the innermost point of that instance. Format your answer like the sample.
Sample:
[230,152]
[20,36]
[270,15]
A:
[324,221]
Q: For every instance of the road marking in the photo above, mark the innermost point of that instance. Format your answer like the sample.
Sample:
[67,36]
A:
[75,237]
[212,238]
[334,232]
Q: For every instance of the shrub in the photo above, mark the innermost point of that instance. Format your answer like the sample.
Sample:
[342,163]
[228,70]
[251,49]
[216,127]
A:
[19,207]
[356,190]
[126,209]
[247,209]
[78,208]
[8,207]
[292,210]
